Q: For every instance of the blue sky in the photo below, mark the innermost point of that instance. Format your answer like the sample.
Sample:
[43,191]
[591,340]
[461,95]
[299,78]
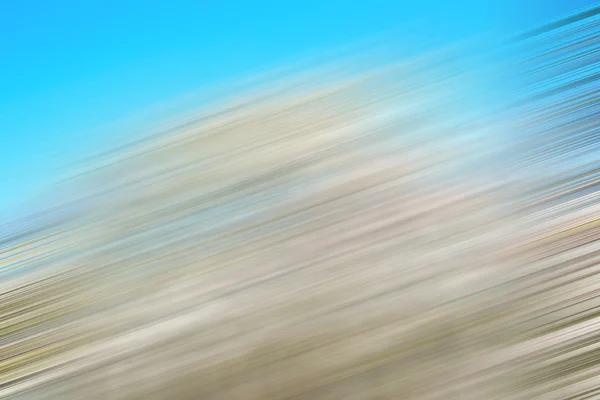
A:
[70,66]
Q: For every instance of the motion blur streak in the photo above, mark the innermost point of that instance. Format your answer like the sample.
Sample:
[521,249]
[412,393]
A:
[355,233]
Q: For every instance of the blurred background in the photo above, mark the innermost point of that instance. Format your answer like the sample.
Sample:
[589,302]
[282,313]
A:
[299,200]
[78,75]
